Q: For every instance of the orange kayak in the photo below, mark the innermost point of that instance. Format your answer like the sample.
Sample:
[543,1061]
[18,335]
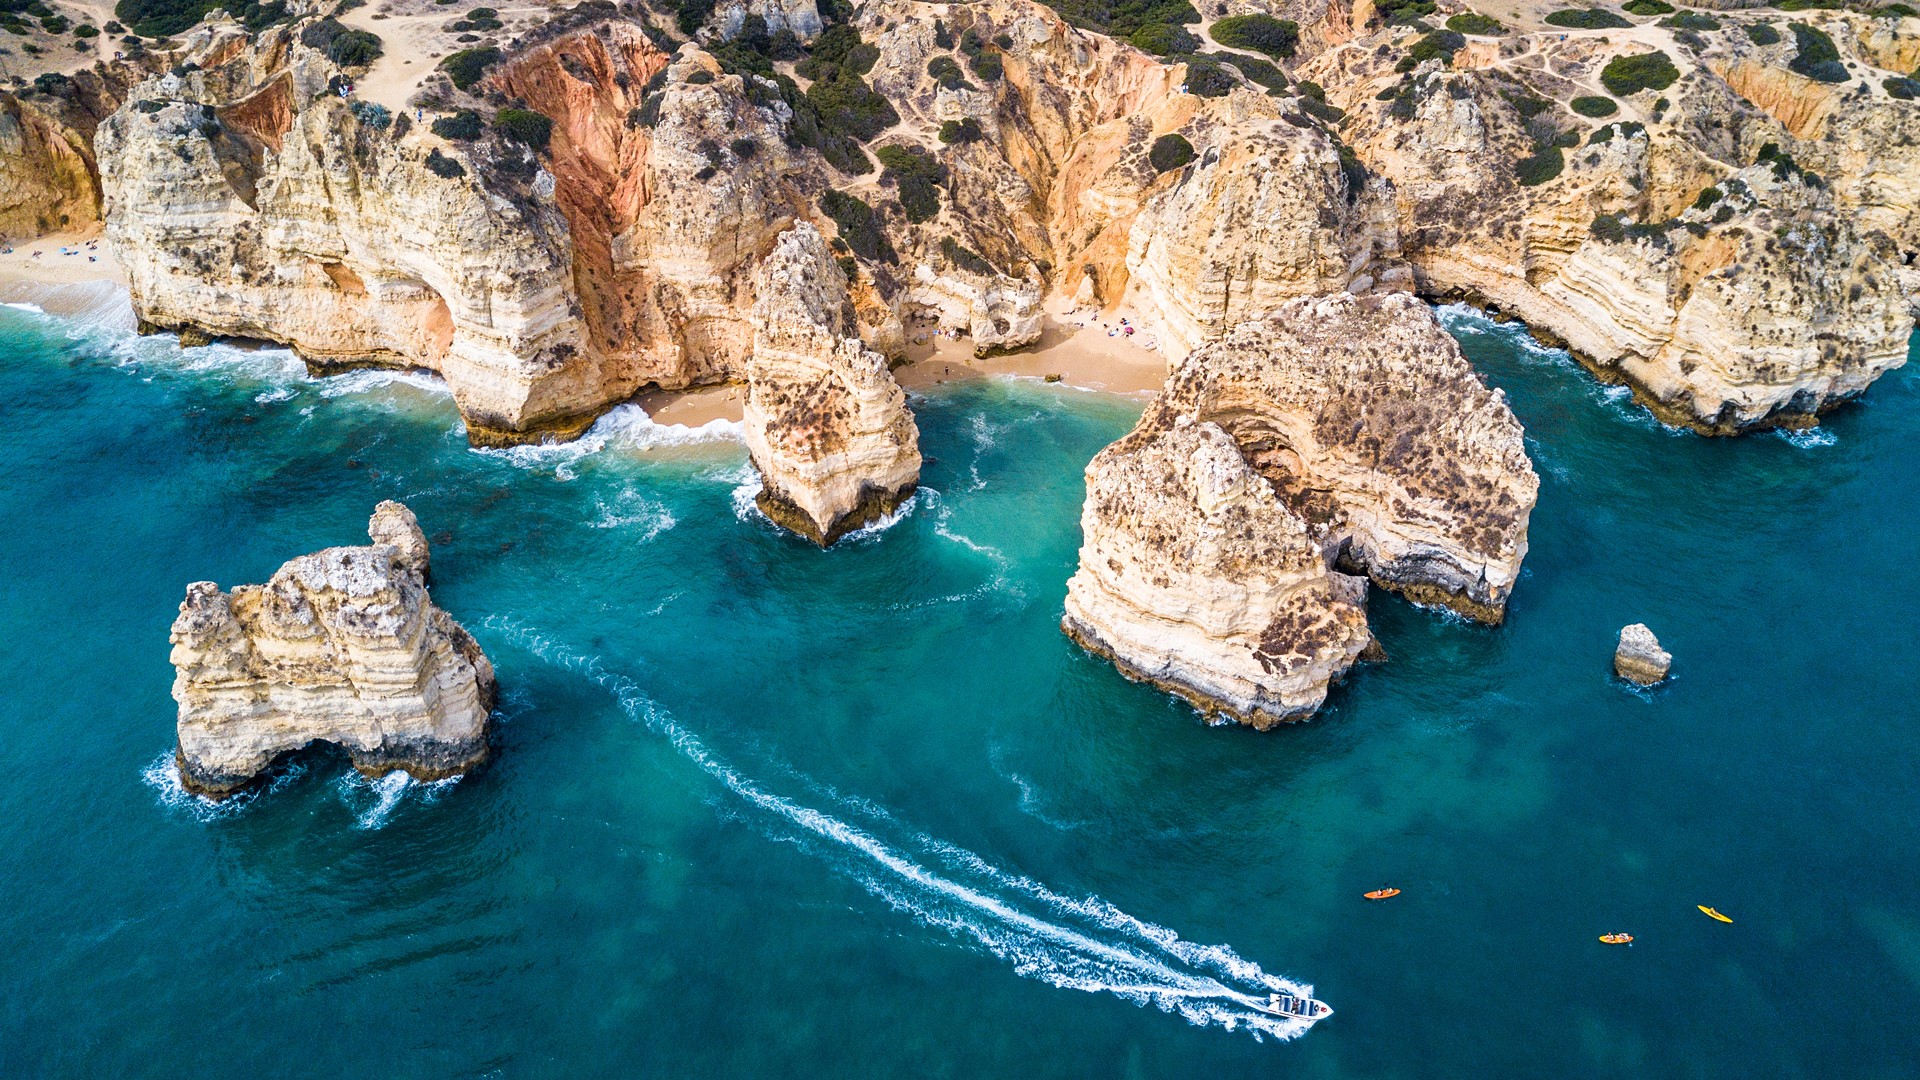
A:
[1383,894]
[1617,939]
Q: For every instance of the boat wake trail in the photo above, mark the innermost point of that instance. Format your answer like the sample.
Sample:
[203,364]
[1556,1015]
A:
[1077,943]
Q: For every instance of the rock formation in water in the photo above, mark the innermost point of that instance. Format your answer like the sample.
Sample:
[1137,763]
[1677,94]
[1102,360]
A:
[826,425]
[341,646]
[1337,435]
[1639,657]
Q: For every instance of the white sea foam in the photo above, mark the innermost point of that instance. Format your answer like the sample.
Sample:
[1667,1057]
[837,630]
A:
[873,529]
[163,776]
[360,382]
[630,510]
[373,801]
[1081,943]
[1810,438]
[625,427]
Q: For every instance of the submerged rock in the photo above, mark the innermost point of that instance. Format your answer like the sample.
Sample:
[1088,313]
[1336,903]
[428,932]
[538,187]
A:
[341,646]
[1639,658]
[1338,435]
[826,424]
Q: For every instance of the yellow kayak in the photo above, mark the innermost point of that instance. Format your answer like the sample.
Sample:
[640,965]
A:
[1617,939]
[1712,913]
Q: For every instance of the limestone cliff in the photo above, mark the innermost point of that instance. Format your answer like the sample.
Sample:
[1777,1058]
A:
[1342,434]
[1730,247]
[342,646]
[826,425]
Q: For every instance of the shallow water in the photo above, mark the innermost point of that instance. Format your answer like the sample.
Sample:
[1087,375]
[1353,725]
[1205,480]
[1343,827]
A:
[760,810]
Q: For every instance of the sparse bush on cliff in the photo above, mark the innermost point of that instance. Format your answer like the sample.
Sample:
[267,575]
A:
[1472,22]
[1435,45]
[943,70]
[370,115]
[1257,71]
[1818,59]
[1261,33]
[1544,164]
[1120,18]
[1623,128]
[1170,151]
[1690,20]
[443,166]
[1902,88]
[1763,34]
[524,126]
[962,257]
[1403,12]
[1625,75]
[1647,8]
[463,126]
[918,178]
[468,66]
[855,220]
[1589,105]
[1163,39]
[158,18]
[961,131]
[1588,19]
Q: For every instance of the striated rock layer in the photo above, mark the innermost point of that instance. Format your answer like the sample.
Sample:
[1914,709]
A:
[341,646]
[1337,435]
[826,424]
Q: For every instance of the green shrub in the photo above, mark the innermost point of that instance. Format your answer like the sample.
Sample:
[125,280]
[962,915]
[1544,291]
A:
[443,166]
[701,77]
[857,226]
[1206,77]
[1808,5]
[1163,39]
[1258,71]
[355,48]
[463,126]
[1320,110]
[1436,45]
[1472,22]
[1626,75]
[744,149]
[918,177]
[1623,128]
[1691,20]
[1588,105]
[1902,88]
[691,15]
[1647,8]
[847,106]
[1544,165]
[524,126]
[85,31]
[1587,19]
[965,258]
[1403,12]
[961,131]
[158,18]
[986,65]
[946,72]
[468,66]
[1817,58]
[370,115]
[1763,34]
[1707,197]
[1170,151]
[1262,33]
[1896,11]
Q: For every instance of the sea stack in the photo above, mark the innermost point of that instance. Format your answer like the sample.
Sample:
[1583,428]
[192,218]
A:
[1226,536]
[826,424]
[341,646]
[1639,657]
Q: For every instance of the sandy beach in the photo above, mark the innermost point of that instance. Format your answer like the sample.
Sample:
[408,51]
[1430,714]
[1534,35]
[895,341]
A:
[86,284]
[692,408]
[1068,352]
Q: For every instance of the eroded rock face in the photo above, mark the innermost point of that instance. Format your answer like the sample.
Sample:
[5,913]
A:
[1354,438]
[1639,657]
[826,424]
[1195,576]
[342,646]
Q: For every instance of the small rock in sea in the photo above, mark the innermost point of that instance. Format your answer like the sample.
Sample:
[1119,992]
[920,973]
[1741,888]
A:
[1640,659]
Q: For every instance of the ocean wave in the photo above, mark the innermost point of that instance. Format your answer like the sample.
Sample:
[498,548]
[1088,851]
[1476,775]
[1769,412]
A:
[625,427]
[1080,943]
[872,530]
[1809,438]
[163,776]
[368,379]
[631,510]
[374,799]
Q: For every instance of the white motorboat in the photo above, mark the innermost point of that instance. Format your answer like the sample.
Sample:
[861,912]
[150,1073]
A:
[1294,1007]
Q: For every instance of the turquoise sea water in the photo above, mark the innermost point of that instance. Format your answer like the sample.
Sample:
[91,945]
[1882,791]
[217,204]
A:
[760,810]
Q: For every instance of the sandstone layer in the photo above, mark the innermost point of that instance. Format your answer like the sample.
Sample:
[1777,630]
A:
[1338,435]
[826,424]
[342,646]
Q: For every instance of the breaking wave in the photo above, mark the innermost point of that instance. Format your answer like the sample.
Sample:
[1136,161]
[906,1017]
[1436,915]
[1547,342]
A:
[1809,438]
[163,776]
[1077,943]
[373,800]
[625,427]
